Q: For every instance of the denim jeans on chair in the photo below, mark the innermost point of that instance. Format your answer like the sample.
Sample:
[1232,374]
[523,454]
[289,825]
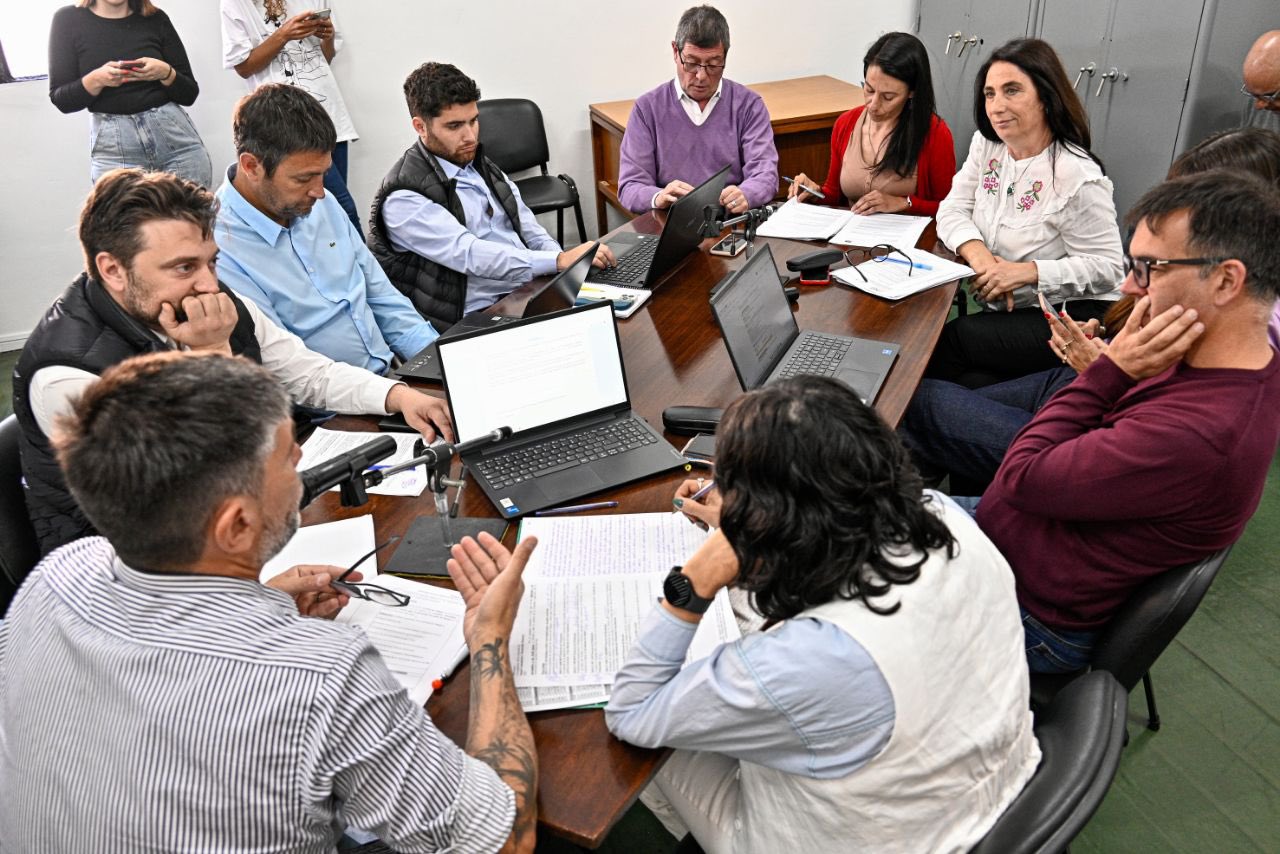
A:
[161,140]
[335,182]
[1056,650]
[966,432]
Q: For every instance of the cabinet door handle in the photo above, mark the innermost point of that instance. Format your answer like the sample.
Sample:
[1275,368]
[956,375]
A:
[1085,69]
[1113,74]
[954,36]
[972,40]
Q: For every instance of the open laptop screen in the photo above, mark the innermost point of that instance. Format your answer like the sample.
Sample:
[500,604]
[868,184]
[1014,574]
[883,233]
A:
[756,318]
[535,372]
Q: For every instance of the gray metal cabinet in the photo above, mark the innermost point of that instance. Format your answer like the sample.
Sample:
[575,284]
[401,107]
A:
[1156,76]
[959,37]
[1136,66]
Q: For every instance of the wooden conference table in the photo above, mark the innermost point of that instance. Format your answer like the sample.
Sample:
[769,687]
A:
[802,111]
[673,355]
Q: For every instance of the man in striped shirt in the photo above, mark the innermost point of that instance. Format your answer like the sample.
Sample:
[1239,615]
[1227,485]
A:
[154,696]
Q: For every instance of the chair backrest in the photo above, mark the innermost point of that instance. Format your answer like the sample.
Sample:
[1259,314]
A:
[1153,615]
[1081,735]
[512,134]
[19,550]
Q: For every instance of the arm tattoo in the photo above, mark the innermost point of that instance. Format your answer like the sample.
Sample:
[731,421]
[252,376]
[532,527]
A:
[489,660]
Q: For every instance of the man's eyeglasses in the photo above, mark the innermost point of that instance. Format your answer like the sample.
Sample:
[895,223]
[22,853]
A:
[375,593]
[692,67]
[880,253]
[1141,267]
[1244,90]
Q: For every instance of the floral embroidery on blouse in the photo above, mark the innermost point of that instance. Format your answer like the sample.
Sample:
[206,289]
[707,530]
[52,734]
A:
[991,178]
[1029,198]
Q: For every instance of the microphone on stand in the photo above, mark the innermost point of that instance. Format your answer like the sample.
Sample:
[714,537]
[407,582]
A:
[346,470]
[438,458]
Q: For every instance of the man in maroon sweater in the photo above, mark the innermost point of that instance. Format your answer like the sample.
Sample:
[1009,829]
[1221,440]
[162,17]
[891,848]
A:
[1157,454]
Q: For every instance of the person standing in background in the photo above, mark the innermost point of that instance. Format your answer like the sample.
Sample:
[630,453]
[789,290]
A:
[123,61]
[274,41]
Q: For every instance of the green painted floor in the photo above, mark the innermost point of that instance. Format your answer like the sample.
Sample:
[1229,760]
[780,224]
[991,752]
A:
[1209,780]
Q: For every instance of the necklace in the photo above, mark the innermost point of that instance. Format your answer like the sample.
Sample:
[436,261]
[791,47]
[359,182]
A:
[1014,182]
[872,159]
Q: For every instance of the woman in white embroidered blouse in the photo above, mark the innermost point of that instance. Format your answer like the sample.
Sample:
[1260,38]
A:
[1031,211]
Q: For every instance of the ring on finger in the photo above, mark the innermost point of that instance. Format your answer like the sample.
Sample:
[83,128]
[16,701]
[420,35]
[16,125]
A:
[1066,345]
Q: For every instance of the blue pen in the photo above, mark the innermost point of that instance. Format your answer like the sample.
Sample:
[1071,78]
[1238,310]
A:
[915,264]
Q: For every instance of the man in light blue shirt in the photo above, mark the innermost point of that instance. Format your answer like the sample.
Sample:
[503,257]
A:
[448,226]
[291,249]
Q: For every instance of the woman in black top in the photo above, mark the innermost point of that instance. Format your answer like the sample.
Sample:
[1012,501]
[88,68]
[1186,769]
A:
[123,61]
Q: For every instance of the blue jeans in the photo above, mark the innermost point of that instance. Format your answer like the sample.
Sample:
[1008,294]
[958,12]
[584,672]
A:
[335,182]
[162,139]
[1056,650]
[965,432]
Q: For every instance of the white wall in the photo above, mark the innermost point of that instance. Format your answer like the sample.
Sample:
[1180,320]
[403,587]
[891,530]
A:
[560,53]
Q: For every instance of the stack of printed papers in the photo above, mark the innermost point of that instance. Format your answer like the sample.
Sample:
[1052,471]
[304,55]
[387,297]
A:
[870,230]
[589,584]
[797,221]
[894,278]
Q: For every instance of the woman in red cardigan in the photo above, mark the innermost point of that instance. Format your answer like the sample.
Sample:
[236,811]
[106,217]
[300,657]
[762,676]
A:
[892,155]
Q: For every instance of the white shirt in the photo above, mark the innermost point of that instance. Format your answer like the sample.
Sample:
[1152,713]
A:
[300,63]
[309,377]
[1061,215]
[697,114]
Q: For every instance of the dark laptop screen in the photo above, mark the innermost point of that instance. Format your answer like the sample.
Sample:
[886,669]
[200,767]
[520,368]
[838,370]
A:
[756,318]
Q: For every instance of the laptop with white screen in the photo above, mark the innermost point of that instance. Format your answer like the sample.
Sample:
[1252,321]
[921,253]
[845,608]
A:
[558,382]
[765,343]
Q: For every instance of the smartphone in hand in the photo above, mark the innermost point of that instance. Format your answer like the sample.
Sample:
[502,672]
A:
[130,64]
[320,14]
[1048,309]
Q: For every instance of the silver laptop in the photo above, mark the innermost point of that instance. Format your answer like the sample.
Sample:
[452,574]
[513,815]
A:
[558,382]
[642,259]
[556,295]
[765,342]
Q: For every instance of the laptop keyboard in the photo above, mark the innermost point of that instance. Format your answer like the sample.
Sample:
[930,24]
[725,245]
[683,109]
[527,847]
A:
[630,267]
[563,453]
[817,354]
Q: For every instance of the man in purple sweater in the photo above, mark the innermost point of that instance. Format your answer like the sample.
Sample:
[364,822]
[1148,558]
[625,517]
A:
[683,132]
[1157,454]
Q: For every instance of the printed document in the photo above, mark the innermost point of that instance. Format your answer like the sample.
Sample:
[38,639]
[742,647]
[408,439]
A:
[868,230]
[420,642]
[798,221]
[893,278]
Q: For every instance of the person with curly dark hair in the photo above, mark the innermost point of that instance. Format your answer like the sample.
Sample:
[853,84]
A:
[891,657]
[448,226]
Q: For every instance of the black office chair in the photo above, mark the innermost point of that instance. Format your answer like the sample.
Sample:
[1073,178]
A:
[1140,631]
[19,549]
[1081,734]
[514,137]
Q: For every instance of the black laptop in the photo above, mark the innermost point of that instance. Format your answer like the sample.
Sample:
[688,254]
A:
[555,295]
[558,382]
[642,259]
[766,344]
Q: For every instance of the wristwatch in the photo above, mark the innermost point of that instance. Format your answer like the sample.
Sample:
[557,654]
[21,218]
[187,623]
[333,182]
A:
[678,590]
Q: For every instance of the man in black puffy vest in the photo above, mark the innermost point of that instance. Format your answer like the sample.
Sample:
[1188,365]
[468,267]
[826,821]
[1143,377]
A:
[447,226]
[149,285]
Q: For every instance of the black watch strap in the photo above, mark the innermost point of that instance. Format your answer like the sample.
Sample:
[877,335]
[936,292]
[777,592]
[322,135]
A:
[678,590]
